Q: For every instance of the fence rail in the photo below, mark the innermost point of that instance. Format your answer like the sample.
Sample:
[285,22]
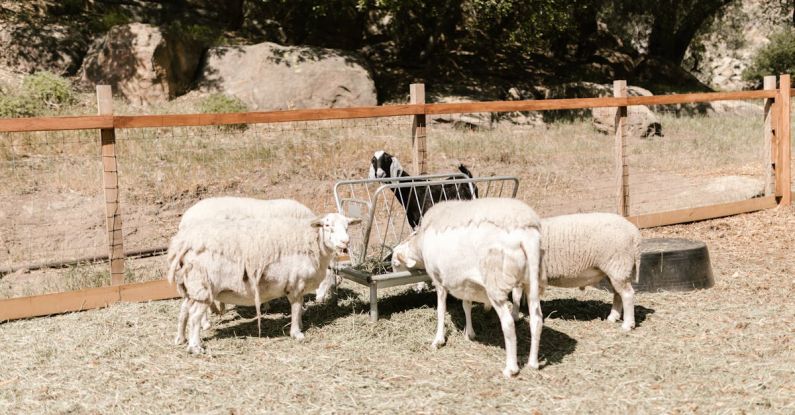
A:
[777,165]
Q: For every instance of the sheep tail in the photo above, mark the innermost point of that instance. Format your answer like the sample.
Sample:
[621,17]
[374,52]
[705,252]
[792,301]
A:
[532,250]
[637,265]
[175,257]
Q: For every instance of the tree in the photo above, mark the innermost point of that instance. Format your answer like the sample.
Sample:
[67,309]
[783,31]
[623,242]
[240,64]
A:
[674,23]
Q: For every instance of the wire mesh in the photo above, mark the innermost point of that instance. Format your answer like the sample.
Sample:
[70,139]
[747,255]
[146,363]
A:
[701,160]
[51,207]
[163,171]
[564,167]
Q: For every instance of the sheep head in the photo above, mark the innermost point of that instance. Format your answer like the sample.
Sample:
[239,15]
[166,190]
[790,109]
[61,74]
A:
[333,229]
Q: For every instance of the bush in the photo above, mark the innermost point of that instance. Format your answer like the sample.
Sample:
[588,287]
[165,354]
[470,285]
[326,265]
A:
[220,103]
[778,57]
[14,106]
[48,90]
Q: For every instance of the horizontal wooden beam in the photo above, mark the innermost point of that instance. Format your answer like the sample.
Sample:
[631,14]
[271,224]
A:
[89,122]
[701,213]
[185,120]
[65,263]
[47,304]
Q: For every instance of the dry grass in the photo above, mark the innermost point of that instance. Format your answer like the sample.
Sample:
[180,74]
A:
[728,349]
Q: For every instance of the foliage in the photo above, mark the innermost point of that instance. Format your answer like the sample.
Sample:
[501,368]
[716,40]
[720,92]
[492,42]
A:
[41,93]
[220,103]
[777,57]
[48,89]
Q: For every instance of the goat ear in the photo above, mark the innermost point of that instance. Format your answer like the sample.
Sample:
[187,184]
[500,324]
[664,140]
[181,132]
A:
[354,221]
[395,168]
[371,175]
[317,222]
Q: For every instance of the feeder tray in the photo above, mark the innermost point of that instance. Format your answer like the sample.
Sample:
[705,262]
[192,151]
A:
[671,264]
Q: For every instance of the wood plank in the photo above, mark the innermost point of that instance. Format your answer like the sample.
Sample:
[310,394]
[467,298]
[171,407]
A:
[90,122]
[701,213]
[784,167]
[110,180]
[769,132]
[147,291]
[578,103]
[419,140]
[90,298]
[185,120]
[620,151]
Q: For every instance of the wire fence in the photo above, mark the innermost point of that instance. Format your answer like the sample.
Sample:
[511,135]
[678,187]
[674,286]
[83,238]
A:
[53,208]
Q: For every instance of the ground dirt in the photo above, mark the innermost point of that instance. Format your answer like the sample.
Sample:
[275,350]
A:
[727,349]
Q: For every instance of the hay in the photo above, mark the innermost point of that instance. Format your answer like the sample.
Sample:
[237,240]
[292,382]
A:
[728,349]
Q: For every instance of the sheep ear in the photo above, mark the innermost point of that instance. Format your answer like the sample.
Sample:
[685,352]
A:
[395,168]
[317,222]
[409,263]
[354,221]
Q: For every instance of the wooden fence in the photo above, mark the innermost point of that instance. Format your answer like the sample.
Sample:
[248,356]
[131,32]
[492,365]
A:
[776,134]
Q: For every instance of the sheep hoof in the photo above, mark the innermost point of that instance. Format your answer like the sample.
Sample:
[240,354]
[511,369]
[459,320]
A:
[437,344]
[510,371]
[533,365]
[613,317]
[420,286]
[206,324]
[470,335]
[179,340]
[515,313]
[627,326]
[195,348]
[298,336]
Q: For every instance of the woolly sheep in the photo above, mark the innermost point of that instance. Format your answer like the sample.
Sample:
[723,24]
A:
[582,249]
[480,251]
[245,261]
[232,207]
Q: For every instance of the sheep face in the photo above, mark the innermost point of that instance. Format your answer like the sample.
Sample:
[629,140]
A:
[406,255]
[334,230]
[383,165]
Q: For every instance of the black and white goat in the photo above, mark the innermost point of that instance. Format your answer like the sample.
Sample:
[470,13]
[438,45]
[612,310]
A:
[419,198]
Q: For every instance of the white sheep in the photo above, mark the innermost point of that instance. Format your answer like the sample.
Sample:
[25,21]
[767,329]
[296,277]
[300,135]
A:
[233,207]
[581,249]
[480,250]
[247,261]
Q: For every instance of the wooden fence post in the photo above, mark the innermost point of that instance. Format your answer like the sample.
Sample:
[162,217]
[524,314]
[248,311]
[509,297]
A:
[783,164]
[110,180]
[621,164]
[419,145]
[770,144]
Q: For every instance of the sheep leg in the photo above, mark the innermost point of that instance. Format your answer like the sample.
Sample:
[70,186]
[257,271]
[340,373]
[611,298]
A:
[503,310]
[441,310]
[516,296]
[296,312]
[182,320]
[197,312]
[615,311]
[626,293]
[536,321]
[469,331]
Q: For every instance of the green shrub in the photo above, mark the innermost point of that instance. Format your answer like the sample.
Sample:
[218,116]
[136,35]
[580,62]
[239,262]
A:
[48,90]
[220,103]
[777,57]
[14,106]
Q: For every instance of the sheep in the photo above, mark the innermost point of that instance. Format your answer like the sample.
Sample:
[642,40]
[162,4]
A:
[230,207]
[581,249]
[417,199]
[245,261]
[480,251]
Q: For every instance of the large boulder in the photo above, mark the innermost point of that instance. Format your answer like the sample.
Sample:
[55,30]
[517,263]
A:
[267,76]
[33,47]
[641,121]
[143,63]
